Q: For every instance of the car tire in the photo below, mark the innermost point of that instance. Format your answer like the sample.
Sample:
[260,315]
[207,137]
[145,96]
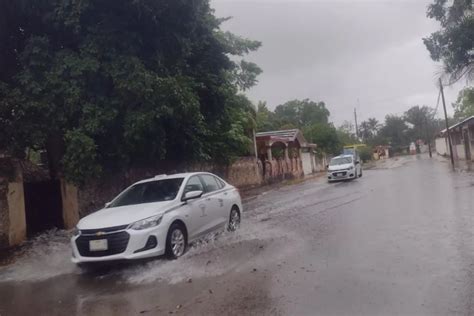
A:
[234,219]
[176,241]
[360,174]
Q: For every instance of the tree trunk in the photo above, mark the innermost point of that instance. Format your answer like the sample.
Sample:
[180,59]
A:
[55,153]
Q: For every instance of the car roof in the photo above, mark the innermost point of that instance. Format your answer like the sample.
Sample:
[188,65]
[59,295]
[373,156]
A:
[172,176]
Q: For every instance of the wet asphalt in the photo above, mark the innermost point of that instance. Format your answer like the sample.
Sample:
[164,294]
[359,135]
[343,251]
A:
[398,241]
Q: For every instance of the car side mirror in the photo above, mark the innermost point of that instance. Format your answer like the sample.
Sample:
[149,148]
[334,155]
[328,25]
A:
[107,204]
[357,162]
[327,166]
[191,195]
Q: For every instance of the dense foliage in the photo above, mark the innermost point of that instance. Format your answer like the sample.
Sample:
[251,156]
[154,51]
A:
[369,129]
[464,106]
[423,124]
[309,116]
[453,44]
[105,83]
[417,123]
[325,136]
[301,113]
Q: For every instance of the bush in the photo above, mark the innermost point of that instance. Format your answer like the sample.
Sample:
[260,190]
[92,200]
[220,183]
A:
[365,154]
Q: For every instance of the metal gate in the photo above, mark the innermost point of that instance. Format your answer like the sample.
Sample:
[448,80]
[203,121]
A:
[43,206]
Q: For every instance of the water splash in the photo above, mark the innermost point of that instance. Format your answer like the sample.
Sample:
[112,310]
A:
[214,255]
[43,257]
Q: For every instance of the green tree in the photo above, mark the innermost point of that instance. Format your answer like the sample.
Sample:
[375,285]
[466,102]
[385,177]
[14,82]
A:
[346,133]
[325,136]
[464,106]
[423,123]
[266,119]
[368,129]
[309,116]
[300,113]
[107,84]
[395,132]
[453,44]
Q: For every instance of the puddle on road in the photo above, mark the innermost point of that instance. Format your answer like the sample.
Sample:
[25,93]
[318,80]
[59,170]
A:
[48,256]
[213,256]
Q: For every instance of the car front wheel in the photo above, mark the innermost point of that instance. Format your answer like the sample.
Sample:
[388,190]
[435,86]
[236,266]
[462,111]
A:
[234,219]
[176,241]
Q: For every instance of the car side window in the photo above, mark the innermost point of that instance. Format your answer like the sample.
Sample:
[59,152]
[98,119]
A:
[194,184]
[210,182]
[220,183]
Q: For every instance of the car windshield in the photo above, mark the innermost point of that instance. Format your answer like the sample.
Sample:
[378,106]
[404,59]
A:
[149,192]
[340,161]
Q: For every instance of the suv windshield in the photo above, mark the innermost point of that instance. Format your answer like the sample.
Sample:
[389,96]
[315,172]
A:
[340,161]
[149,192]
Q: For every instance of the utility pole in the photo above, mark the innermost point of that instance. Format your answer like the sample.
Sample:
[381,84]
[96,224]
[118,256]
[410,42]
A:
[357,127]
[447,124]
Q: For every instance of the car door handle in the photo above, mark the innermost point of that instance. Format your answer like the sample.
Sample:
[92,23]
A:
[225,193]
[208,199]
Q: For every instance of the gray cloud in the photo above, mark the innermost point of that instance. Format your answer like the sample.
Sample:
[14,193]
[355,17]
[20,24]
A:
[340,51]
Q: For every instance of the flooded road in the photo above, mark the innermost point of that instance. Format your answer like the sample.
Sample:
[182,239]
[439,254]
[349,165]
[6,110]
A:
[398,241]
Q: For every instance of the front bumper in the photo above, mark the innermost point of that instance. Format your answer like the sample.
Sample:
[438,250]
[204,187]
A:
[127,244]
[341,174]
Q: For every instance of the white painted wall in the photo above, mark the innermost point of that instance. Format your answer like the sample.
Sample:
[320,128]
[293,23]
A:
[441,147]
[460,151]
[320,164]
[306,159]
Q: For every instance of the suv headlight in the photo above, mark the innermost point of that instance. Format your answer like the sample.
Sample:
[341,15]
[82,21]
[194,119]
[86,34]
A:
[147,222]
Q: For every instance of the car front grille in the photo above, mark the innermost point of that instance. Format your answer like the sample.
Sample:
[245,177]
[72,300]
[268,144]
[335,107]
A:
[117,243]
[339,174]
[103,230]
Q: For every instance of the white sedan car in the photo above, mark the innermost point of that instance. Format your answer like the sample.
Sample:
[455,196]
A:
[157,216]
[344,167]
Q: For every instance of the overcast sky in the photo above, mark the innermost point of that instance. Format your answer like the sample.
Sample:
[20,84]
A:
[338,51]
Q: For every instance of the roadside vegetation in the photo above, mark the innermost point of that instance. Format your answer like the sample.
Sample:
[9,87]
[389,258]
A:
[104,85]
[101,86]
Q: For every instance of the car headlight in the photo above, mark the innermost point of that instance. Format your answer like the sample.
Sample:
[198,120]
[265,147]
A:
[147,222]
[76,231]
[350,168]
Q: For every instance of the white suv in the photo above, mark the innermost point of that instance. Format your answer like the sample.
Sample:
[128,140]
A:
[344,167]
[157,216]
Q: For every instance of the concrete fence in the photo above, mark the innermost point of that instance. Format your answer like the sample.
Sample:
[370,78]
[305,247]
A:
[75,202]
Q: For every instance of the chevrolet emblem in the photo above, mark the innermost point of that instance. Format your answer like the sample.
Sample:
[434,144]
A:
[99,233]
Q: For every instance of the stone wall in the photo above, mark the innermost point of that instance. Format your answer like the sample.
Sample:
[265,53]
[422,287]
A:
[4,214]
[70,204]
[12,204]
[244,172]
[280,169]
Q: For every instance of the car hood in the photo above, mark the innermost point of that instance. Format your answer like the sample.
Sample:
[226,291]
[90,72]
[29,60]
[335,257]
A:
[340,167]
[122,215]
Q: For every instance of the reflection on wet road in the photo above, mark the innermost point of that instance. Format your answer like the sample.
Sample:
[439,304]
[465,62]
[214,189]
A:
[398,241]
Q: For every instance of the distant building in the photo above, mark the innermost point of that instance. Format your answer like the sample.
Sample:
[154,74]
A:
[287,145]
[462,140]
